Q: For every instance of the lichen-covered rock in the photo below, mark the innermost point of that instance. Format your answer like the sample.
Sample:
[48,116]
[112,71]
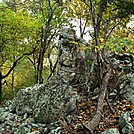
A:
[71,65]
[128,92]
[21,126]
[2,111]
[34,132]
[124,119]
[111,131]
[6,116]
[127,129]
[45,102]
[23,129]
[10,106]
[10,123]
[124,123]
[124,63]
[60,99]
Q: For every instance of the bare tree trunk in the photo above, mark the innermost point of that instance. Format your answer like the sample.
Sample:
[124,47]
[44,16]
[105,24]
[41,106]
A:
[96,119]
[102,80]
[13,90]
[44,43]
[40,64]
[0,85]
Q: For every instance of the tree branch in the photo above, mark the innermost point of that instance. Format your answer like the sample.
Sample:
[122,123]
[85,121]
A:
[112,30]
[15,63]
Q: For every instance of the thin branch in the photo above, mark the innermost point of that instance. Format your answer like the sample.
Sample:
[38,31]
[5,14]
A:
[111,108]
[112,30]
[93,17]
[55,65]
[15,63]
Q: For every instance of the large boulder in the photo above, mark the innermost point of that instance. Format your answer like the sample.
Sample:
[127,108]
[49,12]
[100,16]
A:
[45,103]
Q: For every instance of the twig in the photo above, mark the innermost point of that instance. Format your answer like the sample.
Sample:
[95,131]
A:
[107,100]
[63,122]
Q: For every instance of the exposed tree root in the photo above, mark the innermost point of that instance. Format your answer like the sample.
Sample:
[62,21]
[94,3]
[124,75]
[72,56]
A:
[107,100]
[96,119]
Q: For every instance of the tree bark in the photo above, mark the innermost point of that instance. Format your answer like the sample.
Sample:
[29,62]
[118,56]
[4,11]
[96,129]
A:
[13,89]
[44,44]
[0,85]
[96,119]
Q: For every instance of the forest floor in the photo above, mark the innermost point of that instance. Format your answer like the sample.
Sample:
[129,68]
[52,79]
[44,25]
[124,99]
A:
[85,110]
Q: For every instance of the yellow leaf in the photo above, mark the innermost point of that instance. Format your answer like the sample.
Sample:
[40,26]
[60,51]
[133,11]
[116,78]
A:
[74,42]
[101,39]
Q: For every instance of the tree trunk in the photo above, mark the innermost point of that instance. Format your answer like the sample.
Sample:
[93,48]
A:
[44,43]
[40,65]
[0,85]
[97,117]
[13,90]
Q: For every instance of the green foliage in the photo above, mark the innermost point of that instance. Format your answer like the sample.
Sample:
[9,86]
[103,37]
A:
[15,29]
[24,75]
[121,45]
[23,27]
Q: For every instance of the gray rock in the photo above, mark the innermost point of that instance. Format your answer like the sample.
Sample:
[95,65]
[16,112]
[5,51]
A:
[111,131]
[124,119]
[2,110]
[128,92]
[10,106]
[124,63]
[6,116]
[23,129]
[34,132]
[127,129]
[46,102]
[124,123]
[2,119]
[56,131]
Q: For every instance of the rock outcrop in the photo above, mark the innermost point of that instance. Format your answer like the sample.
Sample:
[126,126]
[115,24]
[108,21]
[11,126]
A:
[11,123]
[36,109]
[44,102]
[39,107]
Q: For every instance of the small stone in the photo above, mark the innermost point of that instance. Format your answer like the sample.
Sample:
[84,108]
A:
[111,131]
[127,129]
